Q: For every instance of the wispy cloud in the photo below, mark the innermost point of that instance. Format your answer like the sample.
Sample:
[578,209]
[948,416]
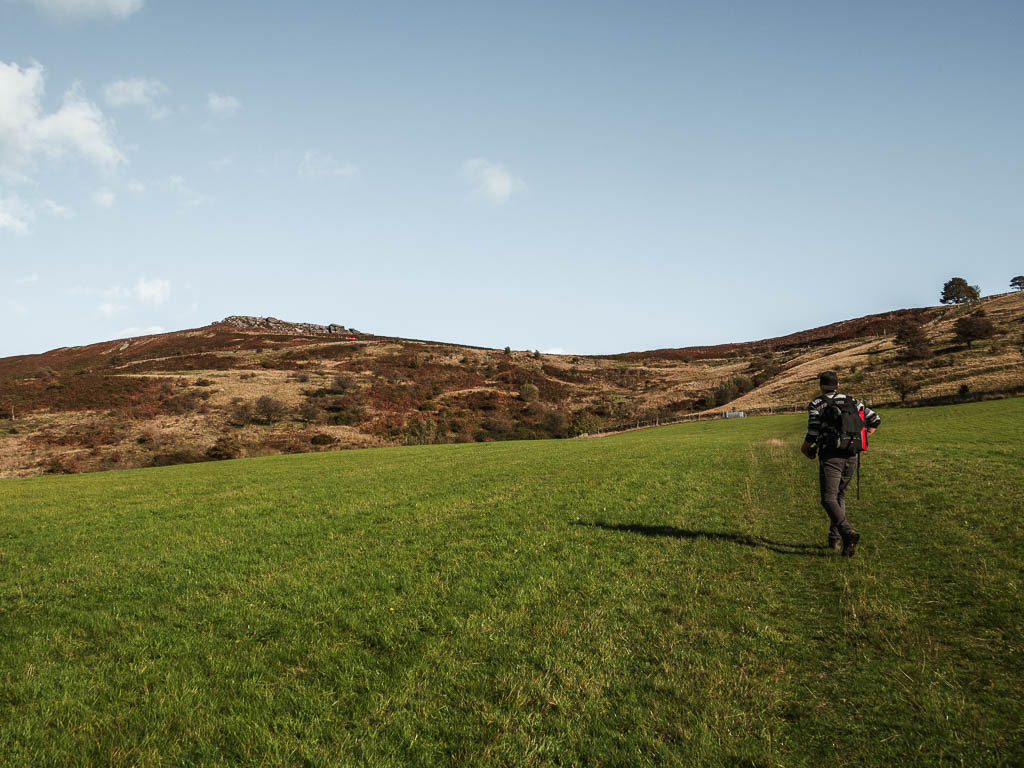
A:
[188,195]
[19,309]
[144,292]
[28,279]
[222,107]
[153,291]
[105,197]
[140,92]
[319,165]
[14,216]
[490,180]
[136,186]
[106,310]
[57,209]
[71,9]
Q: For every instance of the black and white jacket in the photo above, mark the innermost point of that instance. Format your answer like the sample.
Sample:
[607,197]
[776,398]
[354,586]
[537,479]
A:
[817,405]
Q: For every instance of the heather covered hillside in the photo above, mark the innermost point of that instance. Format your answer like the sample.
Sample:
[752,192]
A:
[257,386]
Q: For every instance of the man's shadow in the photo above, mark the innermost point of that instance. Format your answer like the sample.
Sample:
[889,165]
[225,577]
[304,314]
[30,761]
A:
[783,548]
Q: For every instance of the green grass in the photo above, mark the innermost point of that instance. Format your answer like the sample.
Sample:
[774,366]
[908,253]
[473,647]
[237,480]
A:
[661,597]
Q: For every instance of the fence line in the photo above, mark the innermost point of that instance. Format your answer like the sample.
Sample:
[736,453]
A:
[703,416]
[967,397]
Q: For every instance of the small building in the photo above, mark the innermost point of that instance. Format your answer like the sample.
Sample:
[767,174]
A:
[735,414]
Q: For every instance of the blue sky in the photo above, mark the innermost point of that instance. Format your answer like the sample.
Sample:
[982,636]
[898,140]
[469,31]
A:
[590,177]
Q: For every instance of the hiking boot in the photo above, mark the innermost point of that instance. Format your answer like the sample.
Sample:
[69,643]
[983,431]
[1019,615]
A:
[836,545]
[850,543]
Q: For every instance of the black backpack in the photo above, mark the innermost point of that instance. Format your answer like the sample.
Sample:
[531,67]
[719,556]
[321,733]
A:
[842,426]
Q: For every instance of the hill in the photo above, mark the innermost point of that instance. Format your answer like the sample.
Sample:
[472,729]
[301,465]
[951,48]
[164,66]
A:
[249,386]
[663,597]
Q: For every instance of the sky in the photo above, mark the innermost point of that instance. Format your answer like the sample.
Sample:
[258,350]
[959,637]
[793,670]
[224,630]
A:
[584,177]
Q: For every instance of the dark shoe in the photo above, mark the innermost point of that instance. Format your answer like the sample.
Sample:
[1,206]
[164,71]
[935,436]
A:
[850,543]
[836,545]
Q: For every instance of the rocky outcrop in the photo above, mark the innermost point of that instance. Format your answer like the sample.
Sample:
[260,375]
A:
[273,325]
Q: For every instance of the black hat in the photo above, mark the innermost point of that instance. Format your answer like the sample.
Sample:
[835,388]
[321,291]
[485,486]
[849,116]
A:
[828,379]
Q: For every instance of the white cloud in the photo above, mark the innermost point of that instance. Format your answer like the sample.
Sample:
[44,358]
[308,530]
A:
[105,197]
[153,291]
[27,279]
[137,91]
[135,330]
[106,311]
[221,163]
[554,351]
[57,209]
[19,309]
[78,128]
[188,195]
[491,180]
[136,186]
[318,165]
[80,8]
[222,106]
[14,216]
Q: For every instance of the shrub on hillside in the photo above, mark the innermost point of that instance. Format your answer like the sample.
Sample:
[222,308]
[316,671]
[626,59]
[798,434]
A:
[528,392]
[309,412]
[322,438]
[345,410]
[61,465]
[534,411]
[763,368]
[973,327]
[583,424]
[906,384]
[240,413]
[341,384]
[180,404]
[558,423]
[564,374]
[268,409]
[911,335]
[727,391]
[424,430]
[225,447]
[493,428]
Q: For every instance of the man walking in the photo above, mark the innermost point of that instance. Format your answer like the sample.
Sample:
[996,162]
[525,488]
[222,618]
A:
[837,430]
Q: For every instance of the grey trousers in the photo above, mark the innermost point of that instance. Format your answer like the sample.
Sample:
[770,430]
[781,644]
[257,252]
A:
[834,474]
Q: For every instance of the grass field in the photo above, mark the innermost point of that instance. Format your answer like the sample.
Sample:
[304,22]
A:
[662,597]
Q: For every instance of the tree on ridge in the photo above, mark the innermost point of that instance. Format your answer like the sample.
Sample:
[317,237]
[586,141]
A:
[957,291]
